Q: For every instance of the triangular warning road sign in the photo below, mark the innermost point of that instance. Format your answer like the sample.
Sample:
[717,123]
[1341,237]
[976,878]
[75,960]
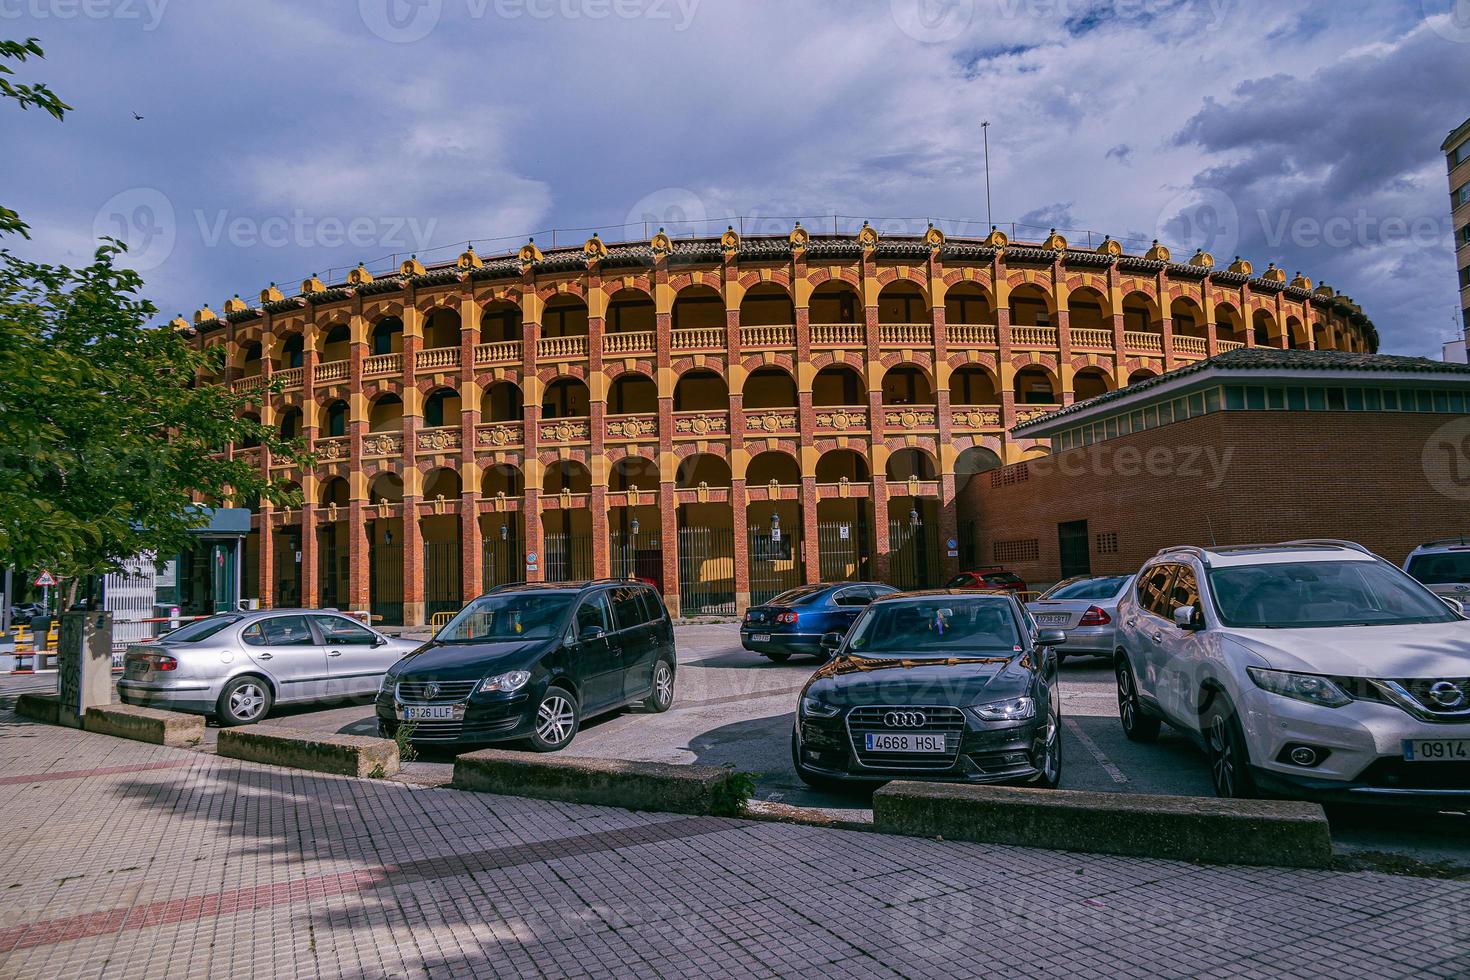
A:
[46,579]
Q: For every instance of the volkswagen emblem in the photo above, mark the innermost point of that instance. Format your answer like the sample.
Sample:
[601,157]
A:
[431,690]
[905,719]
[1446,694]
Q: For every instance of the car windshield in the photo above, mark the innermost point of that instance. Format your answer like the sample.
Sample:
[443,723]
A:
[959,581]
[508,618]
[1005,577]
[950,626]
[1445,568]
[1091,589]
[1306,594]
[799,596]
[201,630]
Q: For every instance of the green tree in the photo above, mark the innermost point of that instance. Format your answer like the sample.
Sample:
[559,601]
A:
[25,96]
[107,434]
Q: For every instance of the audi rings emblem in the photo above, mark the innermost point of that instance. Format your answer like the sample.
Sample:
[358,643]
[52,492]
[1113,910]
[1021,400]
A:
[905,719]
[1447,694]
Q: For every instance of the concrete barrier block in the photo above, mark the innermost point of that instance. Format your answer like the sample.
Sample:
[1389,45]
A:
[146,725]
[652,786]
[343,755]
[39,707]
[1262,832]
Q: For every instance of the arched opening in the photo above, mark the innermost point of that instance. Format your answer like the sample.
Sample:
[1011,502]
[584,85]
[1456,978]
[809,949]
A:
[1189,319]
[336,344]
[768,466]
[701,391]
[443,482]
[569,475]
[633,473]
[1140,314]
[1035,385]
[1088,309]
[1030,306]
[1229,325]
[1089,383]
[501,321]
[845,522]
[502,478]
[385,552]
[293,352]
[705,468]
[770,387]
[335,490]
[1322,335]
[698,307]
[843,464]
[250,441]
[767,305]
[442,329]
[1267,333]
[336,419]
[1296,334]
[903,302]
[970,463]
[565,316]
[968,303]
[632,394]
[1142,374]
[253,364]
[442,408]
[838,385]
[387,336]
[386,414]
[501,402]
[566,398]
[386,487]
[629,311]
[911,463]
[907,384]
[835,301]
[973,385]
[290,424]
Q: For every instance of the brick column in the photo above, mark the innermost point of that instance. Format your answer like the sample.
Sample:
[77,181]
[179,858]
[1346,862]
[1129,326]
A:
[809,529]
[740,527]
[310,568]
[471,539]
[1212,329]
[532,538]
[597,428]
[267,545]
[471,547]
[881,544]
[358,590]
[949,526]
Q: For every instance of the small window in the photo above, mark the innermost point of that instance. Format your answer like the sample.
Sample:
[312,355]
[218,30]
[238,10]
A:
[1336,402]
[1372,400]
[1234,398]
[1275,399]
[1212,400]
[1184,591]
[287,631]
[1390,400]
[627,609]
[1296,399]
[1153,589]
[1255,399]
[653,609]
[1316,399]
[593,614]
[340,631]
[1355,399]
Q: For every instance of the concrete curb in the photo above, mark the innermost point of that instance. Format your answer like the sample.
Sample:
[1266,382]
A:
[1183,828]
[655,786]
[342,755]
[39,707]
[146,725]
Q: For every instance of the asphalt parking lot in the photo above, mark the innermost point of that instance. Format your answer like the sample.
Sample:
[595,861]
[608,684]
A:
[736,708]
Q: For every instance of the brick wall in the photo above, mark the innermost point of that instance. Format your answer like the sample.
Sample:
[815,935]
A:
[1230,477]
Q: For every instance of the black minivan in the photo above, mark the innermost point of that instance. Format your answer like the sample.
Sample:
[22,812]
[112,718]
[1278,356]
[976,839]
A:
[529,662]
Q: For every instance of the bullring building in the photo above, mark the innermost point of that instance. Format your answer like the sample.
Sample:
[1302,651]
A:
[724,417]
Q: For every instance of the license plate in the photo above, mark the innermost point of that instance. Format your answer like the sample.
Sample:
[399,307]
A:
[1436,749]
[432,712]
[761,638]
[881,742]
[1052,619]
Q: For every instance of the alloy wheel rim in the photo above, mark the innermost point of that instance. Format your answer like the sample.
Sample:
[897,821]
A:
[1051,753]
[663,684]
[554,719]
[247,701]
[1125,697]
[1222,761]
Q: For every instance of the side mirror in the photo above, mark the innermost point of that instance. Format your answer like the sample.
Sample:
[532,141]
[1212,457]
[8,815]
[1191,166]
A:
[1189,618]
[1455,604]
[831,642]
[1051,638]
[590,633]
[378,641]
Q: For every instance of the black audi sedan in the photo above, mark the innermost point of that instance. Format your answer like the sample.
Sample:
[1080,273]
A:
[943,685]
[530,662]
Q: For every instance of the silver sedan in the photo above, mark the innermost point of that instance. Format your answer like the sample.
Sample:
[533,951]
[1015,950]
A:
[1086,608]
[236,666]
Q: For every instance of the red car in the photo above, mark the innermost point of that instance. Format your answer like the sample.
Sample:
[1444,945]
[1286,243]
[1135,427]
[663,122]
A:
[988,580]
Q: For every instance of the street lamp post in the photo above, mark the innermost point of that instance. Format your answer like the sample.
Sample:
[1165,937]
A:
[632,547]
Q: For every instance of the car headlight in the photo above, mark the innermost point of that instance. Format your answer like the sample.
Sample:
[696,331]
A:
[1011,709]
[505,683]
[389,679]
[1302,687]
[813,708]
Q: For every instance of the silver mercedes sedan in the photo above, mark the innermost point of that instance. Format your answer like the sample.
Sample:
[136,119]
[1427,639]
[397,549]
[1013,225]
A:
[236,666]
[1086,609]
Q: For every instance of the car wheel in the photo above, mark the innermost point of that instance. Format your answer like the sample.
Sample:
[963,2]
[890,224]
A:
[1138,724]
[814,780]
[1051,747]
[777,657]
[244,701]
[661,698]
[556,721]
[1225,749]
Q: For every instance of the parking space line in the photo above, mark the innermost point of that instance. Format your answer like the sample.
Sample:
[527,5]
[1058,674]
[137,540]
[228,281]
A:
[1097,753]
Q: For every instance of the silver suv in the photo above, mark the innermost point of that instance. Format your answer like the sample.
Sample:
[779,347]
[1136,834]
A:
[1443,566]
[235,666]
[1309,668]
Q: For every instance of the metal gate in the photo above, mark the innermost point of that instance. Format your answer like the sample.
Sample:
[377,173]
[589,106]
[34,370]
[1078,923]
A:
[385,583]
[441,578]
[129,595]
[706,571]
[568,557]
[843,548]
[332,590]
[639,556]
[775,563]
[913,556]
[969,545]
[287,547]
[505,561]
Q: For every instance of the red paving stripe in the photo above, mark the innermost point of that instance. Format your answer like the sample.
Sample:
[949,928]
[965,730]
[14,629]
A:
[46,777]
[191,909]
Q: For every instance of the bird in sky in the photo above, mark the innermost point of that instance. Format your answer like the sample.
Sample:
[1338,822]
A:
[137,117]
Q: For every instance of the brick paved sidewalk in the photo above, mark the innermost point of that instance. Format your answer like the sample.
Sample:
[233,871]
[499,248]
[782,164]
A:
[122,859]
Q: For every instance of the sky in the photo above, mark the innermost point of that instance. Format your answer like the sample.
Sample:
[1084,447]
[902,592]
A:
[282,138]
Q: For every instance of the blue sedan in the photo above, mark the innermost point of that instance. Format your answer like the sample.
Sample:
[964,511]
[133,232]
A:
[795,621]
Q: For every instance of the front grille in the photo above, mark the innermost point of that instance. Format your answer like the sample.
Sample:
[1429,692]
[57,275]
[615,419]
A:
[457,731]
[446,692]
[1431,695]
[946,721]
